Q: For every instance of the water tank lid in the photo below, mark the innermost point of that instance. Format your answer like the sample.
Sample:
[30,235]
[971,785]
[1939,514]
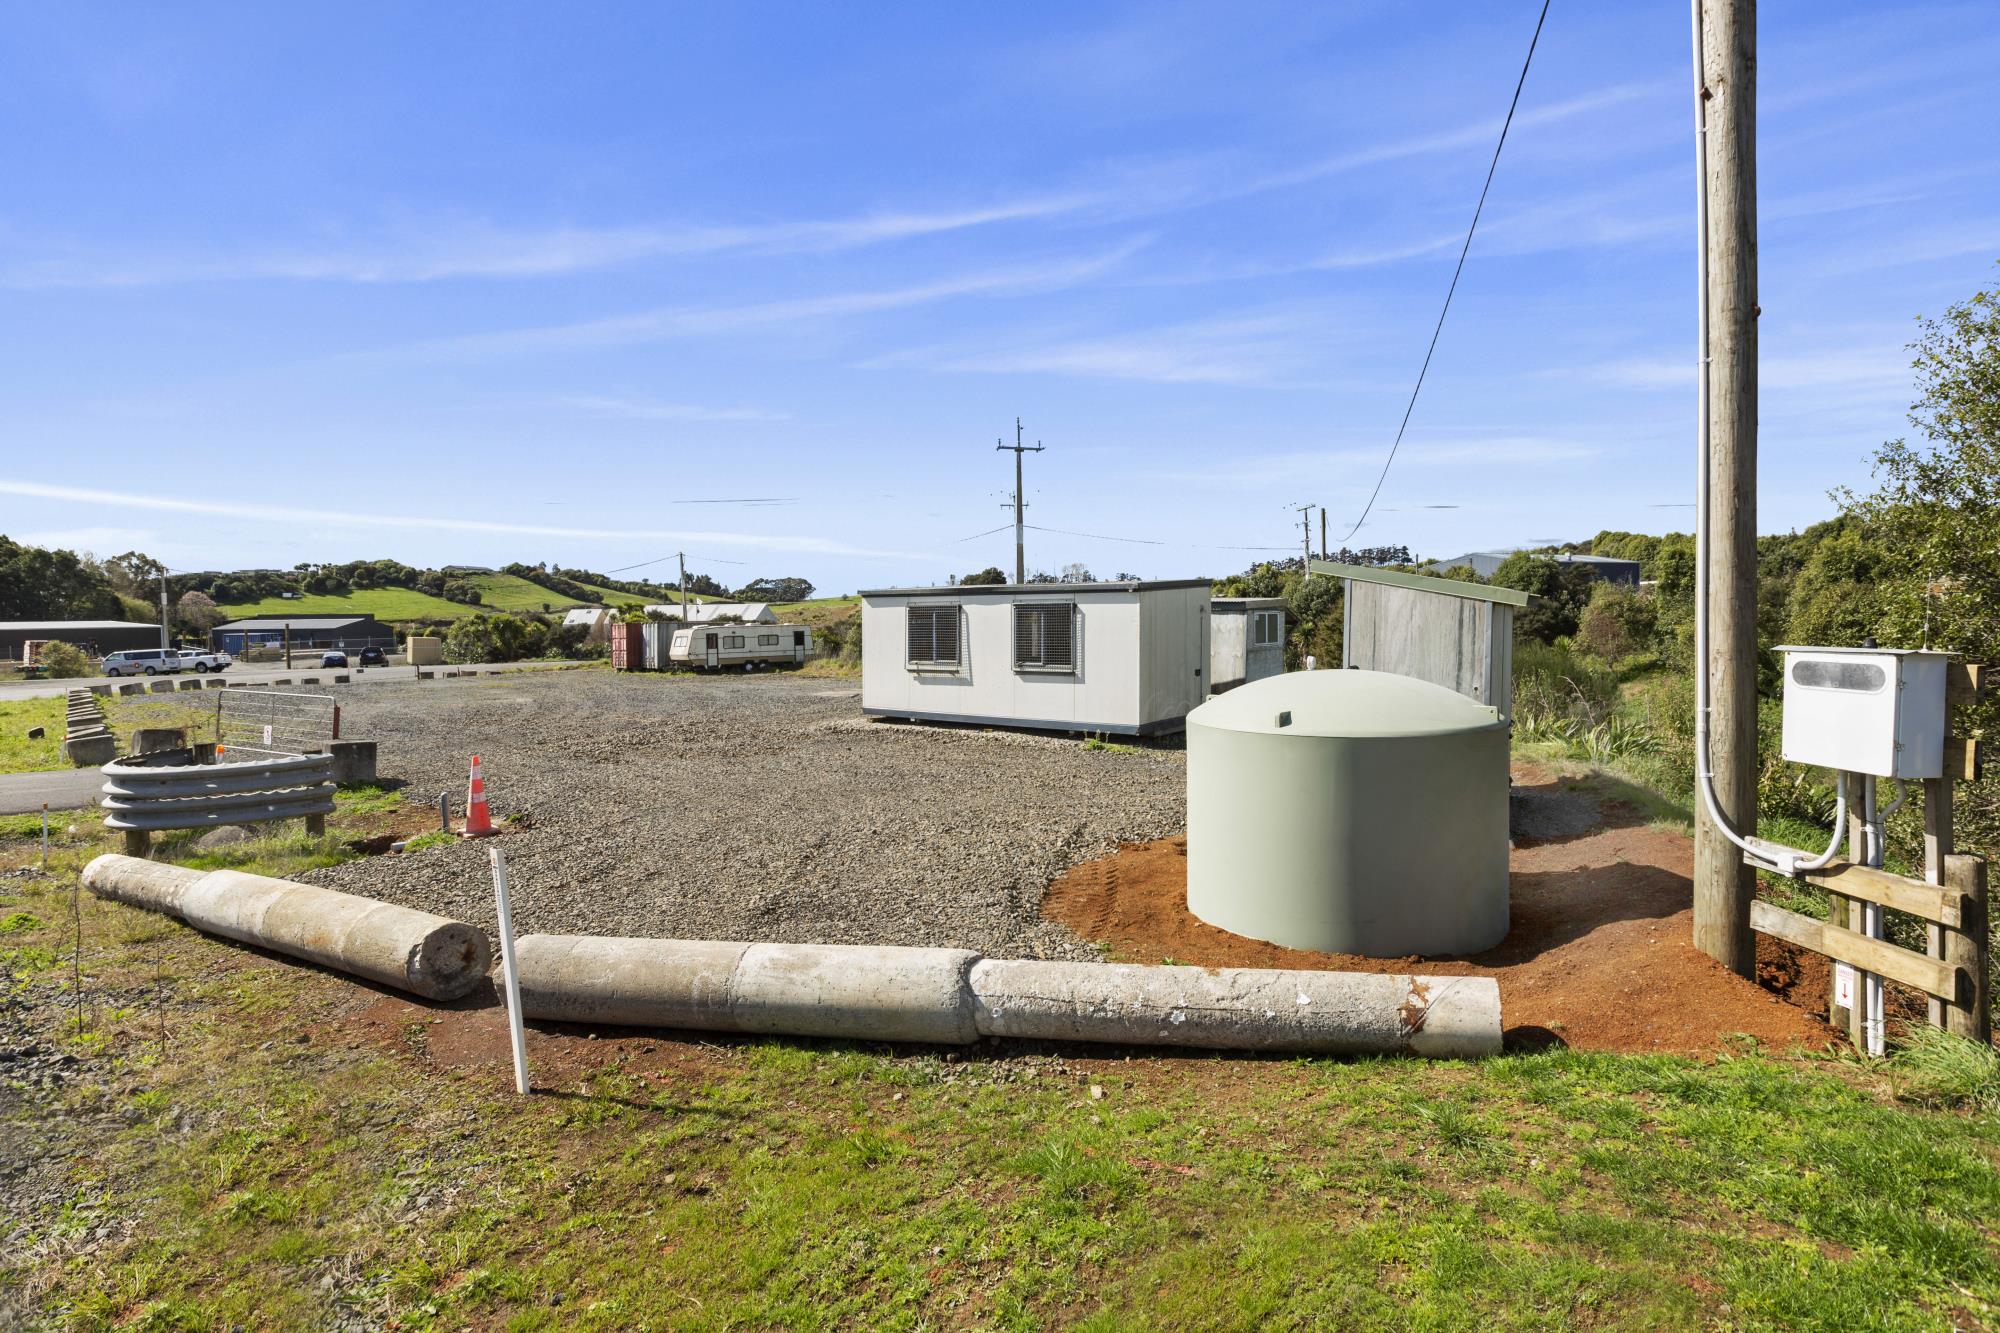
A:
[1344,703]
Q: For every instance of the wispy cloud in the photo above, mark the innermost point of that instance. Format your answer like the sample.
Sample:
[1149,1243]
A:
[1241,351]
[1350,467]
[279,514]
[702,321]
[631,410]
[444,250]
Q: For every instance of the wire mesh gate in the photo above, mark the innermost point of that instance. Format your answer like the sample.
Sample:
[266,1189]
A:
[275,722]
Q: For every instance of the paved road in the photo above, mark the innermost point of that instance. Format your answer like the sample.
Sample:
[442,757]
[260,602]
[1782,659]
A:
[263,674]
[63,789]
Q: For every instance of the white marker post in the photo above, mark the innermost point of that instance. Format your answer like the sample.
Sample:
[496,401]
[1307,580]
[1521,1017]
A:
[507,971]
[45,837]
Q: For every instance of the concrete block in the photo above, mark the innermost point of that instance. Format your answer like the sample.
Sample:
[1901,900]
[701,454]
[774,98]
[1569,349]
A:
[340,680]
[425,675]
[353,761]
[164,685]
[188,683]
[100,689]
[131,687]
[91,751]
[213,683]
[145,740]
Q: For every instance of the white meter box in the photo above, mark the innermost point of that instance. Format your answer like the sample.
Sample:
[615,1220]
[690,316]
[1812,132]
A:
[1865,710]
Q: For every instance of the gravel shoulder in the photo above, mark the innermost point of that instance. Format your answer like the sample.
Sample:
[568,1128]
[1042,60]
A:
[759,807]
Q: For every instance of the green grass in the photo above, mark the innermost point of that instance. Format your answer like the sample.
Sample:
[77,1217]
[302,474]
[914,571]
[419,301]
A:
[507,592]
[382,603]
[18,754]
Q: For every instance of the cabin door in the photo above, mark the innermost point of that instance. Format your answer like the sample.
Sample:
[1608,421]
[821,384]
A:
[710,641]
[799,647]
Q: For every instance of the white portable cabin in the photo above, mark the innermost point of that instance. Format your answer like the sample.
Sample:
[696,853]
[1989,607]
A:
[1121,658]
[1246,638]
[1458,635]
[712,647]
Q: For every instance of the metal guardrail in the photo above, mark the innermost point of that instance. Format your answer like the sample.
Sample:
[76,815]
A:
[144,797]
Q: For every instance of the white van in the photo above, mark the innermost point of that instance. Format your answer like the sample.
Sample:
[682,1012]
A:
[142,662]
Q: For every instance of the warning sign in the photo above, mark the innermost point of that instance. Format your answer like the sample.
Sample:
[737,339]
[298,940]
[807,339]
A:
[1843,985]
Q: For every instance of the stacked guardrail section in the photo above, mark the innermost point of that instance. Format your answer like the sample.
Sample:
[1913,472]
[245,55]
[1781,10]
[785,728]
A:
[87,737]
[150,793]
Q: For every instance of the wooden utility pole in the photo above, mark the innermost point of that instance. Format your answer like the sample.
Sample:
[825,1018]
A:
[1020,519]
[1726,37]
[1305,513]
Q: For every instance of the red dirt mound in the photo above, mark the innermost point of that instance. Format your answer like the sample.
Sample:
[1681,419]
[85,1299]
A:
[1598,955]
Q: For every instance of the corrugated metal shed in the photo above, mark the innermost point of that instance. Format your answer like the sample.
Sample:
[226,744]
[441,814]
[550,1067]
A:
[1458,635]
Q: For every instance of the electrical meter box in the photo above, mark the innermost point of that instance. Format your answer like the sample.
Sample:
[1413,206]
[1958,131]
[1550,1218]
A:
[1865,710]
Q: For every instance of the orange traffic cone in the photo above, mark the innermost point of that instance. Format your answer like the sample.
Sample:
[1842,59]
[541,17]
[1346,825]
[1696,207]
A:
[478,823]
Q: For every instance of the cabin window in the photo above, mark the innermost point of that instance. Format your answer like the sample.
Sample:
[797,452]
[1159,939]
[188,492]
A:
[767,640]
[934,637]
[732,641]
[1044,637]
[1264,628]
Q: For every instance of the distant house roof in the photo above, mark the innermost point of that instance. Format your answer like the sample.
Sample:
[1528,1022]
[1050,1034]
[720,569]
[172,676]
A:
[34,626]
[586,615]
[701,613]
[296,622]
[1038,589]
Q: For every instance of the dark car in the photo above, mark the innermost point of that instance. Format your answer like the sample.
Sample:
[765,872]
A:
[374,657]
[333,659]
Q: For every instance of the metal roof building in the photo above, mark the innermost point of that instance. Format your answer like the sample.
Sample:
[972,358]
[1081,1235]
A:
[704,613]
[1608,568]
[342,632]
[93,636]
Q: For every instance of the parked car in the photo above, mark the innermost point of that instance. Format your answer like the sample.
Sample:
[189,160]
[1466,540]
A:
[142,662]
[374,657]
[197,659]
[335,658]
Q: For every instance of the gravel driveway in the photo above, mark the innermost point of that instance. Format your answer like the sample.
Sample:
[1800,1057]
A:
[750,808]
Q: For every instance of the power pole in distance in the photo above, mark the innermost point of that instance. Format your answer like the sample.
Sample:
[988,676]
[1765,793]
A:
[1306,522]
[1726,111]
[1020,520]
[682,557]
[164,631]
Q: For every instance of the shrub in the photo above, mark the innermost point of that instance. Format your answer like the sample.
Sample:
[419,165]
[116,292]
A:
[63,661]
[1617,622]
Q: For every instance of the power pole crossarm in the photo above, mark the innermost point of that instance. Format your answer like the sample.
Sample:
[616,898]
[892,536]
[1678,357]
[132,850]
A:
[1020,519]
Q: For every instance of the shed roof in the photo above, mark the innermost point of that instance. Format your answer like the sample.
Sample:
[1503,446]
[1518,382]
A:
[1033,589]
[33,626]
[296,622]
[1483,592]
[1247,603]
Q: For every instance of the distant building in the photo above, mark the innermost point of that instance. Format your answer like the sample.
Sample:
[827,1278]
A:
[1608,569]
[96,637]
[706,613]
[348,633]
[1246,640]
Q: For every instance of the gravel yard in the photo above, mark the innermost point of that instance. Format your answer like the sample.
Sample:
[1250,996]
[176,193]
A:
[746,808]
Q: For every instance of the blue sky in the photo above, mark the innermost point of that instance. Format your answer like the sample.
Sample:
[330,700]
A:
[476,283]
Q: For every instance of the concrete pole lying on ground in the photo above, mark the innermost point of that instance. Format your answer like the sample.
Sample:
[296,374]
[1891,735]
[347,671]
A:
[879,993]
[430,956]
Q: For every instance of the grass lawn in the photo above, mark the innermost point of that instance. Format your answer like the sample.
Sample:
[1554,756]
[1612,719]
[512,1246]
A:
[508,592]
[382,603]
[248,1141]
[18,754]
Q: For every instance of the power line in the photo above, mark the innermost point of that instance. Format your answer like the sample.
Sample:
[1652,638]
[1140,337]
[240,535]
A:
[1463,251]
[988,533]
[707,559]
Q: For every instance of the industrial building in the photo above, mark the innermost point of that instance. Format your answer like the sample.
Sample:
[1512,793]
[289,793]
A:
[347,633]
[95,637]
[1246,640]
[1605,568]
[1126,658]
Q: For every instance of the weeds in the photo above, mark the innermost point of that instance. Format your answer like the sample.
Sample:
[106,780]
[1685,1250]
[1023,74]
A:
[1935,1068]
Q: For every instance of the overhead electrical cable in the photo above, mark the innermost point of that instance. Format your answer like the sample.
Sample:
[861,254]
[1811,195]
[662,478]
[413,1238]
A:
[1463,251]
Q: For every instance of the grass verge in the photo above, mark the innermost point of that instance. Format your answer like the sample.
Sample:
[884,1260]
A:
[18,753]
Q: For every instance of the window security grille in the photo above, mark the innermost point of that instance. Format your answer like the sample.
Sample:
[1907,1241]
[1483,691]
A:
[933,636]
[1045,637]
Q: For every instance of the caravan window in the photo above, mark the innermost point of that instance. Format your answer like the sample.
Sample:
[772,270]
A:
[1044,636]
[767,640]
[1264,628]
[732,641]
[933,637]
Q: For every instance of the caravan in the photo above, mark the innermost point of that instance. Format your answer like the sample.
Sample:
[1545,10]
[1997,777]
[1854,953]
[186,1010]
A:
[670,643]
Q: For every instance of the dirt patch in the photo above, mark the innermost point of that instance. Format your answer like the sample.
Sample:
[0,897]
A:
[1598,956]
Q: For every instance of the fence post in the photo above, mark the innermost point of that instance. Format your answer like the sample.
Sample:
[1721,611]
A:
[1967,948]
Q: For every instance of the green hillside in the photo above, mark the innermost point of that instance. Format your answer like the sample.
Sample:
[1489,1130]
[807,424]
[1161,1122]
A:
[382,603]
[506,592]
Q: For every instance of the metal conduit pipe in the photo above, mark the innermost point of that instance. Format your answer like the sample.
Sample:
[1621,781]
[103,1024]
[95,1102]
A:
[412,951]
[879,993]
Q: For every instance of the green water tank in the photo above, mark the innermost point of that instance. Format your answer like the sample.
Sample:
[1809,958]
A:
[1349,812]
